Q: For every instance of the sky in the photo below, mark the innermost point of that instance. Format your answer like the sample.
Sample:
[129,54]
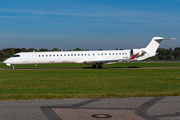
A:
[88,24]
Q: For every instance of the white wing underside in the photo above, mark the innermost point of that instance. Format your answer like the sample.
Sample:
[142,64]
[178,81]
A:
[108,61]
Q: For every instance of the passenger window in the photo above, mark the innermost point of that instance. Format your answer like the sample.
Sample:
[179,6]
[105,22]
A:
[102,54]
[57,55]
[64,54]
[125,53]
[42,55]
[81,54]
[105,53]
[88,54]
[113,54]
[74,54]
[93,54]
[61,54]
[122,53]
[109,53]
[78,54]
[71,54]
[39,55]
[119,53]
[116,54]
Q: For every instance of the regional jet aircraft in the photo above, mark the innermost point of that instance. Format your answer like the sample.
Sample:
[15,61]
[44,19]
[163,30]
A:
[94,58]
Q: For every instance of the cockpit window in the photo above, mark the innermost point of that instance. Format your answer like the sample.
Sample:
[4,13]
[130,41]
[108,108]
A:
[16,56]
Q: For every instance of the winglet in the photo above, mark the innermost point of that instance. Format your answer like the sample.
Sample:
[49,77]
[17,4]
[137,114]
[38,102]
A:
[134,56]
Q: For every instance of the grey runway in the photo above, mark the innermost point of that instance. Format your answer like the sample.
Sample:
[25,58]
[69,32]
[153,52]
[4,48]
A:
[134,108]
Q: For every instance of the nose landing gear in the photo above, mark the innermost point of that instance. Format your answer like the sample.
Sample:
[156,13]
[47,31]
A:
[13,67]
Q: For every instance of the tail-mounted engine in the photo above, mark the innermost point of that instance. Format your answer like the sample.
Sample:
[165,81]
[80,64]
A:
[136,51]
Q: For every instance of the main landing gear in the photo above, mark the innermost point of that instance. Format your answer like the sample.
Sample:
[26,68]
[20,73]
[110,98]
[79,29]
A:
[99,66]
[93,66]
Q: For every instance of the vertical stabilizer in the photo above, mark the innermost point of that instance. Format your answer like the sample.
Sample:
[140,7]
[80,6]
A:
[154,44]
[151,48]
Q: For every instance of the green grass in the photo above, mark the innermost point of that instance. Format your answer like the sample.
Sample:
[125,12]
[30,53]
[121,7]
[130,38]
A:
[88,83]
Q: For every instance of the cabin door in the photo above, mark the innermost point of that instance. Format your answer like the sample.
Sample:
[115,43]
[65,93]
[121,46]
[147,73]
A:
[25,57]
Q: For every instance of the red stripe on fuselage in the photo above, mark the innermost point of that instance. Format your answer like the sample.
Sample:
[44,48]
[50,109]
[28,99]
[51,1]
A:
[134,56]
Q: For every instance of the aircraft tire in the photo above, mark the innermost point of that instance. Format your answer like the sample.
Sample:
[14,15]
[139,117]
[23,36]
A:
[100,67]
[93,66]
[13,67]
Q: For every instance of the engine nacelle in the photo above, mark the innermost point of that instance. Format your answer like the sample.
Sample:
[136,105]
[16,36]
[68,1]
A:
[135,51]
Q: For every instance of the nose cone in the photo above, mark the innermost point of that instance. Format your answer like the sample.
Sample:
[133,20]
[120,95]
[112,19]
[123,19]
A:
[7,62]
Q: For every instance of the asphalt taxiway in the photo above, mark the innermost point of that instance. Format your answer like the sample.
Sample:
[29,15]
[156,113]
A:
[134,108]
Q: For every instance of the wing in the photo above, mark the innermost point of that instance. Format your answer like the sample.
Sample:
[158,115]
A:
[101,61]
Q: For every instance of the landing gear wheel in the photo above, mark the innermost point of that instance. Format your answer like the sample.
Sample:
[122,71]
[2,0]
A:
[93,66]
[13,67]
[100,66]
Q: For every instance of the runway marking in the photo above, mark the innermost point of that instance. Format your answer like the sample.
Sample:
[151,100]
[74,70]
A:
[51,115]
[143,109]
[141,112]
[84,103]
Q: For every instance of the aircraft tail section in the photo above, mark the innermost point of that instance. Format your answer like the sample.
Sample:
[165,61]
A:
[154,44]
[151,48]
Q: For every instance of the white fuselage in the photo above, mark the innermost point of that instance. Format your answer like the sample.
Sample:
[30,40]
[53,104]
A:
[81,57]
[86,57]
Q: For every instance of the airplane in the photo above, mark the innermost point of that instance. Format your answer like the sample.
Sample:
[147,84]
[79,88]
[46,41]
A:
[94,58]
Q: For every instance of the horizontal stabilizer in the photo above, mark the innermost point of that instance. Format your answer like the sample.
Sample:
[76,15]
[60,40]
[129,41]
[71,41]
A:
[170,38]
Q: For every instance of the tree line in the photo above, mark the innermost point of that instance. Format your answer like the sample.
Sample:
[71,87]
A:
[162,53]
